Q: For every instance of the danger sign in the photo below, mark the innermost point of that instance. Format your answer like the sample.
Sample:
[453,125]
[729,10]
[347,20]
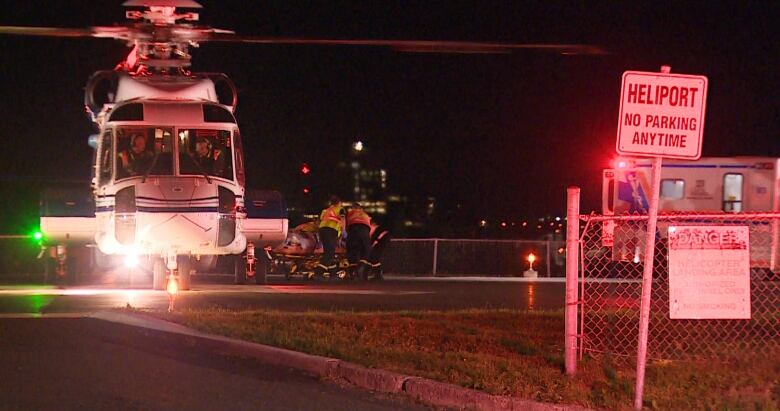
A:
[709,272]
[661,115]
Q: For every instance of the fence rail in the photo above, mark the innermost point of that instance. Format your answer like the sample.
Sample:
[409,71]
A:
[466,257]
[411,257]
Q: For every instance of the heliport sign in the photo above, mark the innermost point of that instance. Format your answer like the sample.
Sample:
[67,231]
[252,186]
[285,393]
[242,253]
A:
[661,115]
[709,272]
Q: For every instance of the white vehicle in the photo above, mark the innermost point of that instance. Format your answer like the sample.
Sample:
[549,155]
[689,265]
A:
[708,185]
[715,184]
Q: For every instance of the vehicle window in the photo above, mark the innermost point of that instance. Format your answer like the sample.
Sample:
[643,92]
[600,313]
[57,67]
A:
[105,158]
[240,174]
[144,151]
[672,189]
[732,193]
[207,152]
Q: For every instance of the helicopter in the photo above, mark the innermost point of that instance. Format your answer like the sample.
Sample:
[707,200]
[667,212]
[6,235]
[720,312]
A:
[168,180]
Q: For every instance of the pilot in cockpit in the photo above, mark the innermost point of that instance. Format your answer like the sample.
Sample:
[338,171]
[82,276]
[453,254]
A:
[136,159]
[209,158]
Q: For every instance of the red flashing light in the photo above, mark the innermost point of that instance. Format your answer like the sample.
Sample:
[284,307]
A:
[305,170]
[306,190]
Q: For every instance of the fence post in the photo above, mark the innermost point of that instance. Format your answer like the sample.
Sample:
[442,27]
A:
[572,260]
[435,255]
[549,260]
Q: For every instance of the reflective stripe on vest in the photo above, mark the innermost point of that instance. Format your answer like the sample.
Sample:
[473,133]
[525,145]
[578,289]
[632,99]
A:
[330,218]
[358,217]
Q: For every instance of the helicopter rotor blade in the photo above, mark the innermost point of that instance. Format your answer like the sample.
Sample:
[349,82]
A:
[208,34]
[413,46]
[46,31]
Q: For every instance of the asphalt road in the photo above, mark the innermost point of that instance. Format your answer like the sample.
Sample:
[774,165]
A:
[88,364]
[300,296]
[83,363]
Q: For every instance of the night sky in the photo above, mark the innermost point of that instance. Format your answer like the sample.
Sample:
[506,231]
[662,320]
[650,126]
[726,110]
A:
[501,135]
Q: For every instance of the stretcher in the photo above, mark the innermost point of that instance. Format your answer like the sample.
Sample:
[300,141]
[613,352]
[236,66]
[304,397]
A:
[300,253]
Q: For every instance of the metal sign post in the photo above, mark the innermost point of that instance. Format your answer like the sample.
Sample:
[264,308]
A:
[647,283]
[661,115]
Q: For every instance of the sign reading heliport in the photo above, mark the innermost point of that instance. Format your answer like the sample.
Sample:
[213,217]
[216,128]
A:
[709,272]
[661,115]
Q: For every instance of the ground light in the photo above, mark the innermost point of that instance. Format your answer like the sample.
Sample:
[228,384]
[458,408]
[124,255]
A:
[173,289]
[530,272]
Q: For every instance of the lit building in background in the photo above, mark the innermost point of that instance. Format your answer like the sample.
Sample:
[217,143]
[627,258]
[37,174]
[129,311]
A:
[359,177]
[369,184]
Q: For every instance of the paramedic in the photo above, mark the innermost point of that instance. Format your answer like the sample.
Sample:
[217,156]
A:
[358,239]
[331,223]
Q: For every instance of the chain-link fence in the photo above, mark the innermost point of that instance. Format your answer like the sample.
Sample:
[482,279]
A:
[611,267]
[464,257]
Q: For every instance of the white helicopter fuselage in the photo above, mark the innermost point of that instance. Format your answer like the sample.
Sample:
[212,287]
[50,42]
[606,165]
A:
[168,176]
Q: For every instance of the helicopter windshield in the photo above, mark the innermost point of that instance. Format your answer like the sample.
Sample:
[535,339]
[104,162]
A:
[205,152]
[144,151]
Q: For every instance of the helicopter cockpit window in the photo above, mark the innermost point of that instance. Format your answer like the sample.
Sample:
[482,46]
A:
[240,173]
[105,158]
[144,151]
[206,152]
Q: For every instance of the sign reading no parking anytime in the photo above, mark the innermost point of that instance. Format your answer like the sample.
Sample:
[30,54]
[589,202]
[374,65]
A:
[662,115]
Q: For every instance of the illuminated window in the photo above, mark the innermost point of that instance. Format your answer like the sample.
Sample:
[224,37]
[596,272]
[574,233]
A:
[143,151]
[206,152]
[672,189]
[732,193]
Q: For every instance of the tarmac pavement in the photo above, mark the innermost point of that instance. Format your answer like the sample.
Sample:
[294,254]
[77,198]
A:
[90,364]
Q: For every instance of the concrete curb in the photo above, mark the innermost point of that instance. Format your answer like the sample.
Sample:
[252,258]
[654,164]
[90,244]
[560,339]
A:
[424,390]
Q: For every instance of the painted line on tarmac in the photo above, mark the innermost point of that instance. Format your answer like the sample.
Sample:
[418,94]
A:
[5,316]
[291,289]
[75,291]
[477,279]
[254,289]
[300,289]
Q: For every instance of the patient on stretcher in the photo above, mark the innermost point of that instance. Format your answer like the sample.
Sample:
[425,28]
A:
[304,241]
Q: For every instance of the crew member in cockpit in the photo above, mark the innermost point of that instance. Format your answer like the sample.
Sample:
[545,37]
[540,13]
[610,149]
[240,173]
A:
[210,159]
[203,155]
[136,159]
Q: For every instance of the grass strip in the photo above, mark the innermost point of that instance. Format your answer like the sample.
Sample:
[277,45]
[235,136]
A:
[503,352]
